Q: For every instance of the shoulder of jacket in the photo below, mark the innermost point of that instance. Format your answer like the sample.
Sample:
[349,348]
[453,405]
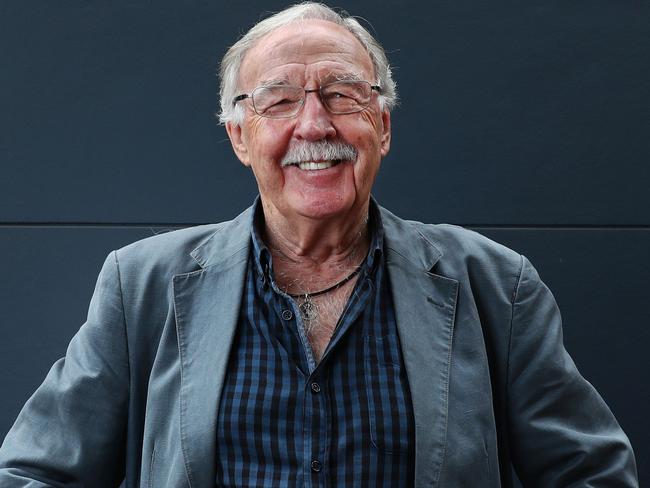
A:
[466,241]
[461,248]
[167,253]
[449,239]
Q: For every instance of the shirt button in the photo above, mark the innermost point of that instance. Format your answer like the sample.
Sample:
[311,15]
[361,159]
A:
[287,314]
[315,387]
[316,466]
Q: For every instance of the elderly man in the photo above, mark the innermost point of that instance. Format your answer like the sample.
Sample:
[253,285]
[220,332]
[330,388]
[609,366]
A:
[317,339]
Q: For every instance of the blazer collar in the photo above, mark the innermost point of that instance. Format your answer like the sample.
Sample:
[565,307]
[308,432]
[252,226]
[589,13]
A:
[402,238]
[229,239]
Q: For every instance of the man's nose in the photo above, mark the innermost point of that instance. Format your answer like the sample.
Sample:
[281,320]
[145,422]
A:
[314,122]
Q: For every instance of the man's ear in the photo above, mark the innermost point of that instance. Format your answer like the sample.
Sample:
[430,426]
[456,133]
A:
[239,146]
[385,133]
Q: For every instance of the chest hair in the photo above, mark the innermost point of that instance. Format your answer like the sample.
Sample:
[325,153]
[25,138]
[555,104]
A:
[329,308]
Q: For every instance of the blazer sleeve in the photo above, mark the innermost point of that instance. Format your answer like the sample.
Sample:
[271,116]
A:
[561,431]
[71,432]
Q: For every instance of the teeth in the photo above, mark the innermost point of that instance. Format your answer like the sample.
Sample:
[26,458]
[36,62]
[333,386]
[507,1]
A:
[310,165]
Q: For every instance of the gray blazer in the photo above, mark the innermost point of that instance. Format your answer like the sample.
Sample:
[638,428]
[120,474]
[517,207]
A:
[137,394]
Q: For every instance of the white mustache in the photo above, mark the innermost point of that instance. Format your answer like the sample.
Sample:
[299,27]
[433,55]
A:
[303,151]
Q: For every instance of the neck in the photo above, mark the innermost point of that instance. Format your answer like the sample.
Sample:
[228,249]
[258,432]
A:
[314,253]
[317,241]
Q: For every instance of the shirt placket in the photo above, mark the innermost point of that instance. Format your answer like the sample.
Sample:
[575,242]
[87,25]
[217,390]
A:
[317,416]
[315,434]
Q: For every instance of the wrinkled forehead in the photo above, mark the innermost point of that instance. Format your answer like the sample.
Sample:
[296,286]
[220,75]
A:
[309,51]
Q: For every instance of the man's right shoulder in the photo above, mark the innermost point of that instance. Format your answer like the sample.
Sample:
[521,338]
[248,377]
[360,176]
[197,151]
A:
[162,255]
[179,251]
[168,245]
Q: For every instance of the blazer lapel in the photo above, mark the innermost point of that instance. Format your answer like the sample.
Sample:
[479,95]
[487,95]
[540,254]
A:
[207,305]
[425,307]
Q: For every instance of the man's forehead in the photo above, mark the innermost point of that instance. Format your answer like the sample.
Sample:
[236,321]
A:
[308,49]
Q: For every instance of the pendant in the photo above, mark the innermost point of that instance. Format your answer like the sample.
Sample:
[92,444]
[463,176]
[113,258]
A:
[308,309]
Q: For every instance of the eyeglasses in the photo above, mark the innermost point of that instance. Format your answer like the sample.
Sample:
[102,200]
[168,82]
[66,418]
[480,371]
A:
[285,101]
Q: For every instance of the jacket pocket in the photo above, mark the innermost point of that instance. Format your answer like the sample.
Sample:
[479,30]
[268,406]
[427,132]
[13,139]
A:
[387,395]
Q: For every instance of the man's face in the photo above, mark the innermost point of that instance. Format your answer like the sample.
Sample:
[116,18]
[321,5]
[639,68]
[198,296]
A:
[310,54]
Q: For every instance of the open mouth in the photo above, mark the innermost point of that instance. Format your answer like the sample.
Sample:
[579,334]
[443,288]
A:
[316,165]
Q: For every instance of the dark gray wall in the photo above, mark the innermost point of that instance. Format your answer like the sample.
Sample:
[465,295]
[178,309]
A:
[529,121]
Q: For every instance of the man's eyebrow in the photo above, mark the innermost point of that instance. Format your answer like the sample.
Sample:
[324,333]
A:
[275,81]
[349,76]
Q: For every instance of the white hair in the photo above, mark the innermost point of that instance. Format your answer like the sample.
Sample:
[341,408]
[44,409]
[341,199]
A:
[231,62]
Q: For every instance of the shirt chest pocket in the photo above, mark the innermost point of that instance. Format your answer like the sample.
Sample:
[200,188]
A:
[390,412]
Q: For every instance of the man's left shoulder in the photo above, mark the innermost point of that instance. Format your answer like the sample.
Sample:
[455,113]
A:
[451,240]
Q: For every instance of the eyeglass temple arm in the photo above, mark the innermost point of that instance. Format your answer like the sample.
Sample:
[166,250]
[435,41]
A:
[239,98]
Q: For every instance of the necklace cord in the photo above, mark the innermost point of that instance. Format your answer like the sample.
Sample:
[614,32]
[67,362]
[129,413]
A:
[327,290]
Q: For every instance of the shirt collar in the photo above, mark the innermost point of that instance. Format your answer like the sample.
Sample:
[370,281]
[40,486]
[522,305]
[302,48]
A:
[263,260]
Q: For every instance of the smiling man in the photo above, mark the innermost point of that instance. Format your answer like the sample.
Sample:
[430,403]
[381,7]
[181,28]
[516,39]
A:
[317,339]
[313,132]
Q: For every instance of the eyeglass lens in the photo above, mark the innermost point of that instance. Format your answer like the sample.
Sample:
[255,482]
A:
[342,97]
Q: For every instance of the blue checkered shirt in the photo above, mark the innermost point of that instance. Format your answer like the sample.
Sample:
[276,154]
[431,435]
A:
[285,420]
